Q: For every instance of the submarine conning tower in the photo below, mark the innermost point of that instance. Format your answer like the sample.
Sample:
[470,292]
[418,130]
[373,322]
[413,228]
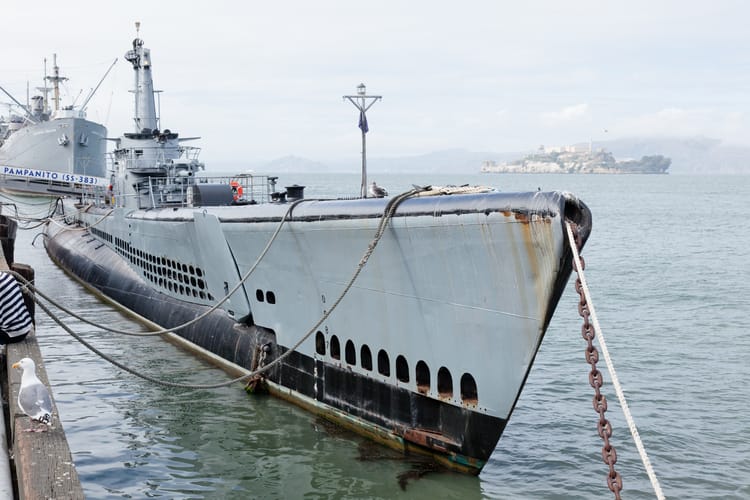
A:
[145,110]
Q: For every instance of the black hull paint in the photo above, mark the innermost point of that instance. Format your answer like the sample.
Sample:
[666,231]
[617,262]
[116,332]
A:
[457,437]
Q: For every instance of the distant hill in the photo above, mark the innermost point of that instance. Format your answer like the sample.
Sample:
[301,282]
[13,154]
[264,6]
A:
[438,162]
[289,163]
[691,155]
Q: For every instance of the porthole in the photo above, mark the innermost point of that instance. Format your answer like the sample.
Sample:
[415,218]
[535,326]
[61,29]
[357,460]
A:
[320,343]
[270,297]
[258,294]
[445,383]
[402,369]
[423,377]
[384,364]
[350,353]
[468,390]
[335,348]
[365,358]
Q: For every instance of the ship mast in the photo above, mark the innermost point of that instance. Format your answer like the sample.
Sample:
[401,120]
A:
[55,79]
[360,102]
[145,111]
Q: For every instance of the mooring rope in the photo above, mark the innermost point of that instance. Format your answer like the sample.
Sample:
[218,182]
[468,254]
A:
[384,220]
[25,220]
[611,368]
[210,310]
[64,218]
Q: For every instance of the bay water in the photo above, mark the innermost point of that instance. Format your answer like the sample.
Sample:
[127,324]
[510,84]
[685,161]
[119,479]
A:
[667,266]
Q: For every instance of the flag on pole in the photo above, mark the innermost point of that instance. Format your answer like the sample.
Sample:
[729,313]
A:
[363,122]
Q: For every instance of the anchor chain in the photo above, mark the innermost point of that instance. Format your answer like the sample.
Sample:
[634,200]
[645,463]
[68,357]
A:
[257,383]
[604,427]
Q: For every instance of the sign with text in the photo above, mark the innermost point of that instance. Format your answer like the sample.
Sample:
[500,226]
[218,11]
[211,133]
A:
[34,173]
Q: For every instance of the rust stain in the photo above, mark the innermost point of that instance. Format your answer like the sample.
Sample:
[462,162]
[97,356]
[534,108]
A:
[470,402]
[538,243]
[429,439]
[521,217]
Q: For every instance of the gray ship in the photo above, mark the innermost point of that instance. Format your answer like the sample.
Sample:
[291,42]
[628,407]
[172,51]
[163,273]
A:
[49,151]
[412,319]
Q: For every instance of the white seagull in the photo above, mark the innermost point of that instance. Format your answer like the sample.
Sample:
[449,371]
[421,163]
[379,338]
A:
[377,191]
[33,397]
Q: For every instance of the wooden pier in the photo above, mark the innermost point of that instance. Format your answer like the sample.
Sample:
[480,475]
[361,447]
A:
[40,463]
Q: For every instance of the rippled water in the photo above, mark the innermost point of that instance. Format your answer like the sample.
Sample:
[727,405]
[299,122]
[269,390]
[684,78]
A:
[668,272]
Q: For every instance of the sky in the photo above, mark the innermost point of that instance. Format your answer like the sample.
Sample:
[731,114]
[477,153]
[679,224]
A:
[262,80]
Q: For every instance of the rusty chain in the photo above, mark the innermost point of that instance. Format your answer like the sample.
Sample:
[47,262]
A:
[609,455]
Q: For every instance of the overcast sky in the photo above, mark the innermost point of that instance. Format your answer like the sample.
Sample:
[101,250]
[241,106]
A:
[260,80]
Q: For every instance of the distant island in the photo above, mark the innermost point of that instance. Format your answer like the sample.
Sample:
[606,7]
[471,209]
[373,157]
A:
[577,160]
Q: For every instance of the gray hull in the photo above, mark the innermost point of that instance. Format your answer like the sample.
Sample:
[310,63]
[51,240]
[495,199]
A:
[429,349]
[62,155]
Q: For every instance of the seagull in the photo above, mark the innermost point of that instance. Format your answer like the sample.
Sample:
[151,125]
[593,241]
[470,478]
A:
[33,397]
[377,191]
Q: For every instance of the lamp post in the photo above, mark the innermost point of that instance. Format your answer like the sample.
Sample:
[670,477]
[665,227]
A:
[363,102]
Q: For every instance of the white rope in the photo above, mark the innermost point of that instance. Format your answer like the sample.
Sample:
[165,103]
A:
[611,368]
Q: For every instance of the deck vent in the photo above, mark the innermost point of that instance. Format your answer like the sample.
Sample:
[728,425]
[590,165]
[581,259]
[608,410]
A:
[423,377]
[365,358]
[402,369]
[350,353]
[445,383]
[384,364]
[469,390]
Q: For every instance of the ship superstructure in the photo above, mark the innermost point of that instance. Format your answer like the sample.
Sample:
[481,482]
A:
[50,150]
